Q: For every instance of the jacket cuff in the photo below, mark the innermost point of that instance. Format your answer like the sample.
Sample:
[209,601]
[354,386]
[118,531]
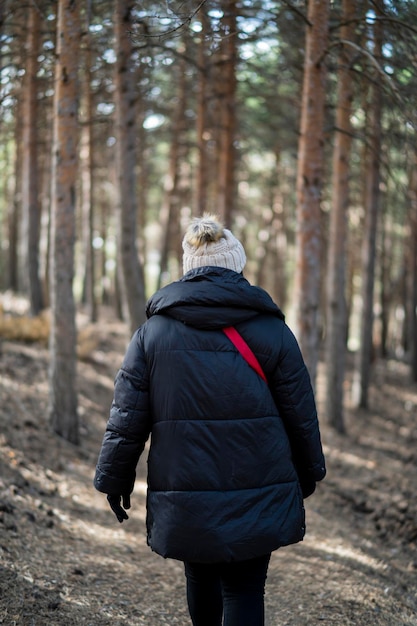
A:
[112,486]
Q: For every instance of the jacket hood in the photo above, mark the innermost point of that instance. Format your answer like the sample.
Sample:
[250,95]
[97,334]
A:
[211,298]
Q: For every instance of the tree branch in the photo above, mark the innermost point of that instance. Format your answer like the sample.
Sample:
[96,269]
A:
[173,30]
[368,55]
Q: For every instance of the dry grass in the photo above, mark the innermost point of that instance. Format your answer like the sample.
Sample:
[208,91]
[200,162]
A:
[17,325]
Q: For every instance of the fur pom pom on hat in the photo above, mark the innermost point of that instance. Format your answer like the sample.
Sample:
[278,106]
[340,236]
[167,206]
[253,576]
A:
[206,242]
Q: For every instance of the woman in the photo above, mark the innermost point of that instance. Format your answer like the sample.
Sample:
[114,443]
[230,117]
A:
[231,456]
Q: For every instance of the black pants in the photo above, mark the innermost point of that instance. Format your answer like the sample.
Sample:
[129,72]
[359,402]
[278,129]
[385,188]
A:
[235,589]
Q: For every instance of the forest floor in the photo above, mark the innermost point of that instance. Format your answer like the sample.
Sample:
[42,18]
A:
[65,560]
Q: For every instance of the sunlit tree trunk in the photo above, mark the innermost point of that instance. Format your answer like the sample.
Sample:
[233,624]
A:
[309,184]
[31,211]
[131,275]
[62,374]
[372,208]
[227,138]
[336,319]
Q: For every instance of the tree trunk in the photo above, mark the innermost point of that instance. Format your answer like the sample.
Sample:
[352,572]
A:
[15,278]
[63,396]
[131,275]
[172,235]
[336,321]
[9,278]
[142,165]
[202,131]
[31,210]
[105,280]
[413,271]
[309,185]
[14,210]
[372,201]
[273,253]
[385,295]
[87,175]
[226,160]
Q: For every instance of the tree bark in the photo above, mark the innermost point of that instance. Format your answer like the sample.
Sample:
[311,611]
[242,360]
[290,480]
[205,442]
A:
[62,375]
[87,175]
[309,185]
[227,138]
[31,210]
[413,272]
[386,288]
[201,127]
[336,319]
[131,275]
[172,236]
[14,211]
[271,271]
[372,202]
[14,151]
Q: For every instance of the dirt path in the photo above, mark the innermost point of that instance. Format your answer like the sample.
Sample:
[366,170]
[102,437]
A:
[64,560]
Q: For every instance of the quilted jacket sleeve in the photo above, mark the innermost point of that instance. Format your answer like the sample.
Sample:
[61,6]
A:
[294,396]
[128,426]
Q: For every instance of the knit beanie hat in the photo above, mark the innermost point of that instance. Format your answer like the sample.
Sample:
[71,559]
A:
[206,242]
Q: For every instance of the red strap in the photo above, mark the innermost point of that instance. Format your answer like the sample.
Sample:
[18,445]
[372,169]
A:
[239,343]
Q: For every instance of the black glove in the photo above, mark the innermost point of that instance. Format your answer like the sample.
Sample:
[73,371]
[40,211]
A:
[308,487]
[307,483]
[116,507]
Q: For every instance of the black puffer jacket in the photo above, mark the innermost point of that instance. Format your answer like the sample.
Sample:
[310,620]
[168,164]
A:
[221,479]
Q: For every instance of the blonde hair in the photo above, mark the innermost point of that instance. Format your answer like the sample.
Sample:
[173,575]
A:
[203,230]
